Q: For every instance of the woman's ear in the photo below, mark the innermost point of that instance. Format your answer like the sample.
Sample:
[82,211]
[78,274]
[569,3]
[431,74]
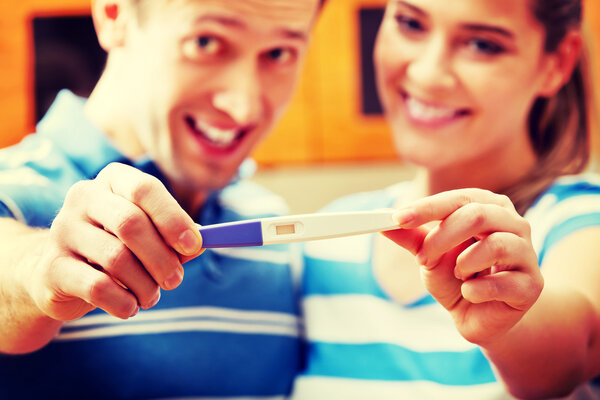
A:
[110,17]
[561,63]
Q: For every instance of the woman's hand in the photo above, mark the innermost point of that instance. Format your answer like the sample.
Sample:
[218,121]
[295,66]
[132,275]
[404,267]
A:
[117,240]
[477,261]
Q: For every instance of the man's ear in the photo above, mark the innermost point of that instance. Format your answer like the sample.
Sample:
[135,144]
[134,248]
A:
[110,17]
[561,63]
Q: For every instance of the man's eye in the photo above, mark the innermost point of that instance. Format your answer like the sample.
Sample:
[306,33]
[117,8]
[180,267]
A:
[208,44]
[198,47]
[281,55]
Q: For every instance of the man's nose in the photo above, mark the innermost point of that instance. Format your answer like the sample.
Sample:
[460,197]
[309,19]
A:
[237,104]
[241,96]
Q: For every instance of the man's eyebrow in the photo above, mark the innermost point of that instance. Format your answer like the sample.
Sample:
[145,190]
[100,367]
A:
[291,34]
[240,24]
[489,28]
[221,19]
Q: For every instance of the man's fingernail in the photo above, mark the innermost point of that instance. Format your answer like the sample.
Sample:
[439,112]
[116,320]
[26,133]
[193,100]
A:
[134,313]
[190,242]
[152,302]
[404,216]
[174,280]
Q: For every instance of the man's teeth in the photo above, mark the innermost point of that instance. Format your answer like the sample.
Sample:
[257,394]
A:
[221,137]
[422,111]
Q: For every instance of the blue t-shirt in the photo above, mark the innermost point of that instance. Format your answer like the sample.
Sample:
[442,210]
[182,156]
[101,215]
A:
[362,344]
[230,330]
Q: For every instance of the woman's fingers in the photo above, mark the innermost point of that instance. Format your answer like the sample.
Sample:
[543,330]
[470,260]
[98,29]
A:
[498,249]
[439,206]
[410,239]
[510,271]
[516,289]
[474,220]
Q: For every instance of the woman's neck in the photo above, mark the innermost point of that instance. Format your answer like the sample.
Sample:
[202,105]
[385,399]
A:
[495,172]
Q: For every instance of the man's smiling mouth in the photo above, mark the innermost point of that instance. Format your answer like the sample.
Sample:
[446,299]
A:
[217,137]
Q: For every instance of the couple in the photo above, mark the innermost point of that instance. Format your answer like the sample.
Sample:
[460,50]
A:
[490,288]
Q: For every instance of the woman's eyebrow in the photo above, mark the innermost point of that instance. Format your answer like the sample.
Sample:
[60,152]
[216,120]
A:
[488,28]
[467,26]
[412,7]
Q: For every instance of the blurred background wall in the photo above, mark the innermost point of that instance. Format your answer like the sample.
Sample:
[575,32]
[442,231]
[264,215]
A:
[333,139]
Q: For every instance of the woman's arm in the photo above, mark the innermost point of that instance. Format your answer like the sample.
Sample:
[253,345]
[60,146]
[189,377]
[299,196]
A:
[479,263]
[556,345]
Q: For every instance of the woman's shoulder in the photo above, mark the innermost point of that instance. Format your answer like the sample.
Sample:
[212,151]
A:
[569,205]
[571,186]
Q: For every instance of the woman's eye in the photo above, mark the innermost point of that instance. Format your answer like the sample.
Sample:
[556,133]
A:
[409,24]
[281,55]
[486,47]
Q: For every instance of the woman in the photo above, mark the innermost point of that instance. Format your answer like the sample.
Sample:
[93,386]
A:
[487,98]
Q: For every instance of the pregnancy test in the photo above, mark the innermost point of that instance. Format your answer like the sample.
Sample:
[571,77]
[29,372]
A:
[296,228]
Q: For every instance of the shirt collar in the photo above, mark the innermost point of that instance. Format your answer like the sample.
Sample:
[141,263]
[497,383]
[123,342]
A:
[67,126]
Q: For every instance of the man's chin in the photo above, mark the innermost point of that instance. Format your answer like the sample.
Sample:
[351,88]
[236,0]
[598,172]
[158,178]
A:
[208,181]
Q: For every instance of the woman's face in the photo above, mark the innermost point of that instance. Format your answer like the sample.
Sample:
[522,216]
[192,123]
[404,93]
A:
[457,78]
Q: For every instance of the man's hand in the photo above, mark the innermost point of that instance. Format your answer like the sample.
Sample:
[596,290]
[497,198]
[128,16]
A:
[116,242]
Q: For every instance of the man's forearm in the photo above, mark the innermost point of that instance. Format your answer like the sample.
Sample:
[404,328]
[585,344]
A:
[23,326]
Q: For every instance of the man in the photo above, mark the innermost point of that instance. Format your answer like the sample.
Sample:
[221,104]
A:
[99,210]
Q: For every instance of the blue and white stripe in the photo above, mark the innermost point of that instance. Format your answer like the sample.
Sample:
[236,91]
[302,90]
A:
[231,330]
[362,344]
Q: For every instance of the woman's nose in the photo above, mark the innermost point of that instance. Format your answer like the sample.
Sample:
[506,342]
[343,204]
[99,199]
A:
[430,67]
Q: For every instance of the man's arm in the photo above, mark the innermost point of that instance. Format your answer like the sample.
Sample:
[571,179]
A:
[117,241]
[23,326]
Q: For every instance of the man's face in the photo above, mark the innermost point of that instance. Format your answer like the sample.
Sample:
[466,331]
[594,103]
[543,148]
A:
[206,80]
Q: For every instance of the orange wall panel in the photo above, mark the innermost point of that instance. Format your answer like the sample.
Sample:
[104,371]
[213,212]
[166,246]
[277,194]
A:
[16,61]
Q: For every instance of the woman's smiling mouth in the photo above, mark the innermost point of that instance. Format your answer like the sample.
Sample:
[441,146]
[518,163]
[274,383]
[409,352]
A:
[429,114]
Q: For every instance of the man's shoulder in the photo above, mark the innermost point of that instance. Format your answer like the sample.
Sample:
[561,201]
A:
[34,175]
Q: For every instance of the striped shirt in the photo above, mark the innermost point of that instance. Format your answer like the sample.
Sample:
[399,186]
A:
[362,344]
[230,330]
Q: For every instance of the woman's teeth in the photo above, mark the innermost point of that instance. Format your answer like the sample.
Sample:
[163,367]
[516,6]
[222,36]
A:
[426,112]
